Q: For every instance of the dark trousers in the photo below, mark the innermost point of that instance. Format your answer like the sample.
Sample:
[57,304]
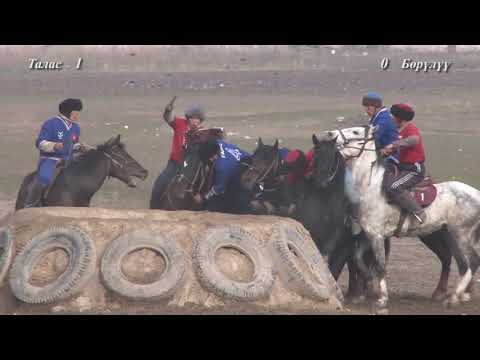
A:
[399,178]
[235,200]
[162,181]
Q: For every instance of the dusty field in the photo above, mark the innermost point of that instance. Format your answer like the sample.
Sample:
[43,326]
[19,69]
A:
[289,105]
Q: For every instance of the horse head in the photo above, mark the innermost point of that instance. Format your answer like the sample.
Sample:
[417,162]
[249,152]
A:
[262,164]
[123,166]
[192,174]
[352,142]
[327,161]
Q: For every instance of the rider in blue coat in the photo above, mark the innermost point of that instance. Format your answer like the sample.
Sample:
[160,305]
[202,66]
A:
[226,194]
[58,138]
[385,134]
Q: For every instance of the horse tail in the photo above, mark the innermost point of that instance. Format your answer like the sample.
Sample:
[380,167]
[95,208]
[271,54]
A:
[23,191]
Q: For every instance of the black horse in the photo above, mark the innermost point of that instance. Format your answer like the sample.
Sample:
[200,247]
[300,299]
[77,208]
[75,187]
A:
[82,178]
[322,208]
[261,178]
[194,177]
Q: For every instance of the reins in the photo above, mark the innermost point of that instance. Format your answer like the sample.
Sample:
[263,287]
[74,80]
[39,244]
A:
[273,167]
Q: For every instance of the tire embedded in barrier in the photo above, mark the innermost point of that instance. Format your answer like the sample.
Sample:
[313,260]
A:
[313,280]
[81,265]
[213,280]
[170,280]
[6,251]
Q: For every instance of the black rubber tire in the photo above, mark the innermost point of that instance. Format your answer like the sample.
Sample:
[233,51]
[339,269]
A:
[81,266]
[320,284]
[165,287]
[213,280]
[6,252]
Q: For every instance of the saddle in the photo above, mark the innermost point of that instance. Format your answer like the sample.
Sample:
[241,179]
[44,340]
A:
[204,135]
[424,192]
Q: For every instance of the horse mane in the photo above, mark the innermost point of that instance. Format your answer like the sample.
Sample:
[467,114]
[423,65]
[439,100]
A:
[91,155]
[106,146]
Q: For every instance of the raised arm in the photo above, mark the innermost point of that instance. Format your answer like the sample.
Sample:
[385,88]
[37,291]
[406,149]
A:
[168,113]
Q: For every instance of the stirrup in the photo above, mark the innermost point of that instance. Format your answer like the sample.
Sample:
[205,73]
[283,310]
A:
[419,219]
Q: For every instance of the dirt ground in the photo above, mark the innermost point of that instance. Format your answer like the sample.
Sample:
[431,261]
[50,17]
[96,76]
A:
[289,105]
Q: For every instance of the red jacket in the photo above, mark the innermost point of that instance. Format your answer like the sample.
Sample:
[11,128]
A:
[415,153]
[294,176]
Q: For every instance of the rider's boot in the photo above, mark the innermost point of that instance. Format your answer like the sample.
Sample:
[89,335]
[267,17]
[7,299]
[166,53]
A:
[34,195]
[408,203]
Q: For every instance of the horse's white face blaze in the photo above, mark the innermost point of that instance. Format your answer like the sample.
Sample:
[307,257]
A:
[355,136]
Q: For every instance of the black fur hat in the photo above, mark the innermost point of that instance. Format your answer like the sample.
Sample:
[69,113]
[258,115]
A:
[68,105]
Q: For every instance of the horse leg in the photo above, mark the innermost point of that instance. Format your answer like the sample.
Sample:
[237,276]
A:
[456,243]
[356,282]
[359,256]
[379,270]
[338,259]
[357,286]
[474,263]
[471,286]
[437,243]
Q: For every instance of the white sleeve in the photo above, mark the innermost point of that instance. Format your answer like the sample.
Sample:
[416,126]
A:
[47,146]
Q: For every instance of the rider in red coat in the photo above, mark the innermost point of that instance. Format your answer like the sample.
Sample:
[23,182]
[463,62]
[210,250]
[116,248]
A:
[411,164]
[296,170]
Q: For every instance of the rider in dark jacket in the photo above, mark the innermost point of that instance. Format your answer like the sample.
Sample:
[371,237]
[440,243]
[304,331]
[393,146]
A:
[226,194]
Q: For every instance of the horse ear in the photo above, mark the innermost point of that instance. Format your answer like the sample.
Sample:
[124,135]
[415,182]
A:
[334,140]
[117,139]
[315,140]
[110,142]
[260,142]
[275,146]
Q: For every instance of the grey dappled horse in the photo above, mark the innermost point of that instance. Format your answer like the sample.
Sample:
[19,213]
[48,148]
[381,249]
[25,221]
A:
[455,214]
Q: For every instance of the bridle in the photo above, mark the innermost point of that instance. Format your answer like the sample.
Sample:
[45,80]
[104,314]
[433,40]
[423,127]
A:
[273,167]
[363,148]
[125,161]
[337,165]
[366,140]
[200,172]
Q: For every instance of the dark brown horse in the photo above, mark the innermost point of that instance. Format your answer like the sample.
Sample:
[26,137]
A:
[322,208]
[81,179]
[194,177]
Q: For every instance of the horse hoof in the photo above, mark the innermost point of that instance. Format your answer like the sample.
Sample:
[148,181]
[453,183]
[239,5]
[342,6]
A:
[439,296]
[355,300]
[465,297]
[452,301]
[382,311]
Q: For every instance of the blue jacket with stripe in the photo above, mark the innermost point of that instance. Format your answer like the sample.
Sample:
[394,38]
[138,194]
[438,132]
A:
[227,167]
[58,130]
